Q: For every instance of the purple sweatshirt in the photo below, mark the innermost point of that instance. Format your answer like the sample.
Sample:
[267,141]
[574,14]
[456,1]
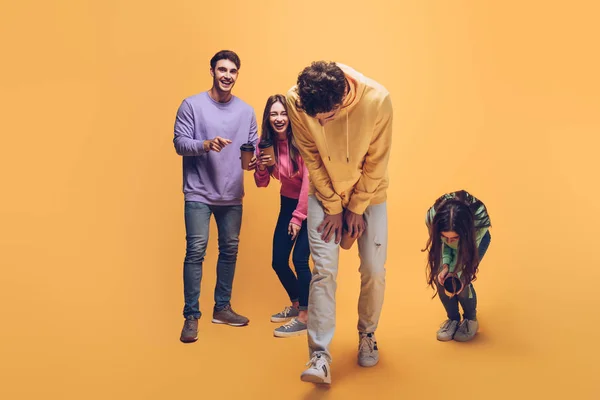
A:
[213,178]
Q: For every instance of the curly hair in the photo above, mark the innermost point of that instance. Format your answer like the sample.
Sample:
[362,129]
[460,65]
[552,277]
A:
[321,88]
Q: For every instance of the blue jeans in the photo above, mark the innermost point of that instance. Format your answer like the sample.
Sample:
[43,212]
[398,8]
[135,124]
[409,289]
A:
[467,298]
[197,223]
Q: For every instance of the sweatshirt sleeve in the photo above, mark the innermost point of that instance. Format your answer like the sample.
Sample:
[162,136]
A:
[262,178]
[376,162]
[448,257]
[184,142]
[253,134]
[301,211]
[332,202]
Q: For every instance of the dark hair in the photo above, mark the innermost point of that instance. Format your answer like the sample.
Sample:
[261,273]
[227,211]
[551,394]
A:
[457,212]
[225,55]
[268,133]
[321,88]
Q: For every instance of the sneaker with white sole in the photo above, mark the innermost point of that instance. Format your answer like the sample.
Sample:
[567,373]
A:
[318,370]
[467,330]
[287,314]
[447,330]
[229,317]
[292,328]
[368,353]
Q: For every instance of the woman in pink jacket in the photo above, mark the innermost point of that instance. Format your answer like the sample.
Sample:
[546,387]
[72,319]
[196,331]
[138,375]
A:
[290,231]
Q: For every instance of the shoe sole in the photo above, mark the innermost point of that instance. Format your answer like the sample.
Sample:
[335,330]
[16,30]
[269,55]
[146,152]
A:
[289,334]
[459,339]
[188,340]
[445,339]
[275,319]
[368,365]
[315,379]
[216,321]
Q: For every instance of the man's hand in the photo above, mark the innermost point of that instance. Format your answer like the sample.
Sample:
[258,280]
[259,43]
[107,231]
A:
[293,230]
[216,144]
[331,225]
[355,224]
[442,275]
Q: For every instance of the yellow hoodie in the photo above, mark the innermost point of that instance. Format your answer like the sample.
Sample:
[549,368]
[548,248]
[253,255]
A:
[347,159]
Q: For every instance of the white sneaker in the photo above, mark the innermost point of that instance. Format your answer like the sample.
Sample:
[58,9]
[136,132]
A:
[447,330]
[318,372]
[368,353]
[467,330]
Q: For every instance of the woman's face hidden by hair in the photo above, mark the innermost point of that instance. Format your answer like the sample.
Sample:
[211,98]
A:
[450,237]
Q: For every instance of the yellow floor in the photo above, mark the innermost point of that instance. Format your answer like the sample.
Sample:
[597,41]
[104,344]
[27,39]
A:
[499,98]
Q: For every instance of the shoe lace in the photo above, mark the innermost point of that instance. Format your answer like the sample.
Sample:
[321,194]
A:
[189,323]
[464,327]
[286,311]
[314,361]
[291,323]
[446,325]
[367,344]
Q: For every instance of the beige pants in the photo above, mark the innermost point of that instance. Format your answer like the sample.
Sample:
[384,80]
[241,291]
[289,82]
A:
[372,249]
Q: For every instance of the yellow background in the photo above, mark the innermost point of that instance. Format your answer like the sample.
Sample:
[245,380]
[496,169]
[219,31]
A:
[499,98]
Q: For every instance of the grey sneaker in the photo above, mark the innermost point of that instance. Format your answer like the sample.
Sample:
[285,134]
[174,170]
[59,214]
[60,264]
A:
[467,330]
[447,330]
[229,317]
[318,370]
[287,314]
[368,353]
[292,328]
[189,333]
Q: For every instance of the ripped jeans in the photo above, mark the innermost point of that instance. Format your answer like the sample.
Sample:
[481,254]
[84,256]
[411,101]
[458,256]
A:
[372,250]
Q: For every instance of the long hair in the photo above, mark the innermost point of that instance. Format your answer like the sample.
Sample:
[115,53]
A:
[268,133]
[461,213]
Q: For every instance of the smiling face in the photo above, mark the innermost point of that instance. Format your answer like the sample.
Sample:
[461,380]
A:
[278,119]
[224,75]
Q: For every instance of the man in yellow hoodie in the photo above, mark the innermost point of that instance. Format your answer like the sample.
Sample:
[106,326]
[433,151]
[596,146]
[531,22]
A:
[342,125]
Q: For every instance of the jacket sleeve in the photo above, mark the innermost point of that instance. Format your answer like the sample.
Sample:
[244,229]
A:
[301,211]
[376,162]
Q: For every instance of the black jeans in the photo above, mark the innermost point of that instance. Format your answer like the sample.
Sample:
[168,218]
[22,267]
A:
[296,285]
[468,303]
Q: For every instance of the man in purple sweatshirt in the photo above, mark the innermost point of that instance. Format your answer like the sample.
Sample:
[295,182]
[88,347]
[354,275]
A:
[209,129]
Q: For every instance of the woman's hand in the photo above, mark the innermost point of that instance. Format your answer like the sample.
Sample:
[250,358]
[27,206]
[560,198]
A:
[252,164]
[293,230]
[263,160]
[442,275]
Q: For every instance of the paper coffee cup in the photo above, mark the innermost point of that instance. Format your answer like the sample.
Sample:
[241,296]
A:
[247,151]
[266,147]
[452,285]
[347,240]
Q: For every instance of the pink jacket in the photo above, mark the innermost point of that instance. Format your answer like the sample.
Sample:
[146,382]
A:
[295,187]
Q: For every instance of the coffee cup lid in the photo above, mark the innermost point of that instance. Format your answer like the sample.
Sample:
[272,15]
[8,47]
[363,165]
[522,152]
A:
[265,143]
